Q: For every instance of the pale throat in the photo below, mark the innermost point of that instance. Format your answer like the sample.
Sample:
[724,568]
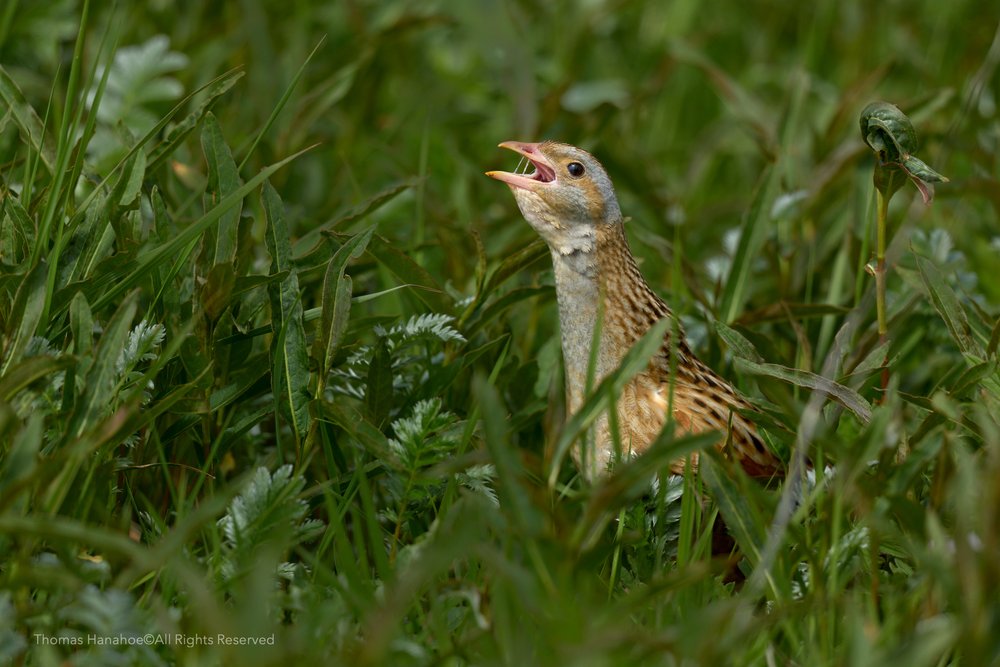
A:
[578,292]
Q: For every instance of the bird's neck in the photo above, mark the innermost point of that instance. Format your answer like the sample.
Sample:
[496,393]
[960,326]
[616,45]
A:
[604,289]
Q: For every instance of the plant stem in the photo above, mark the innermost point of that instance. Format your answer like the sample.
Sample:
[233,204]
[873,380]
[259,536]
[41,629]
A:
[880,270]
[880,225]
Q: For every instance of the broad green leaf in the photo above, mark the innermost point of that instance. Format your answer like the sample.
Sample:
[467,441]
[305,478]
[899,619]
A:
[126,191]
[27,121]
[291,360]
[743,520]
[949,308]
[21,461]
[180,245]
[874,360]
[336,304]
[223,179]
[81,324]
[17,231]
[96,400]
[737,342]
[847,397]
[991,348]
[918,169]
[25,315]
[90,241]
[634,362]
[124,196]
[378,390]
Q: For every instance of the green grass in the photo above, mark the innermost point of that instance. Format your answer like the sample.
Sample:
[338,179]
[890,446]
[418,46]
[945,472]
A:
[278,361]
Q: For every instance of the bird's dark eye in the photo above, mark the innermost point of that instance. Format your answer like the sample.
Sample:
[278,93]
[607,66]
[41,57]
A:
[575,169]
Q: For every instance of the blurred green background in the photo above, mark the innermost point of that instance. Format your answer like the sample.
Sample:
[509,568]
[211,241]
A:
[416,526]
[685,102]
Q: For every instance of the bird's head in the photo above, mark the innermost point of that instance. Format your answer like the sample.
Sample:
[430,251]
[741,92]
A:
[566,198]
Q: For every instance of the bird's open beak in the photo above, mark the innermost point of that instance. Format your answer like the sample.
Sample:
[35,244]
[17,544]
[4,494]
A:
[544,171]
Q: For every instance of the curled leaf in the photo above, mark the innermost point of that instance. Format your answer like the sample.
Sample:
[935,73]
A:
[889,133]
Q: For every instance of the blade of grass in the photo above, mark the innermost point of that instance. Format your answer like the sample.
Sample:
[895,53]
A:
[281,104]
[291,358]
[634,361]
[752,235]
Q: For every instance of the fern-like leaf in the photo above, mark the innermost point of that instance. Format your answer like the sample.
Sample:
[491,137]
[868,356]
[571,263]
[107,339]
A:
[270,506]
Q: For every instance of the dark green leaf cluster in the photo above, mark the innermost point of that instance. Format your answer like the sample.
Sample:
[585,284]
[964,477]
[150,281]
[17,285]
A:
[889,132]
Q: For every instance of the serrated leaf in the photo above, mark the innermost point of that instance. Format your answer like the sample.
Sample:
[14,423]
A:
[138,76]
[217,292]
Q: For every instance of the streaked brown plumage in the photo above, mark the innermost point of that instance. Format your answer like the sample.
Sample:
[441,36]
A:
[570,201]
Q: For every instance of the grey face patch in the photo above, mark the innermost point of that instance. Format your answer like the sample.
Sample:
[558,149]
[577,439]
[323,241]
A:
[567,211]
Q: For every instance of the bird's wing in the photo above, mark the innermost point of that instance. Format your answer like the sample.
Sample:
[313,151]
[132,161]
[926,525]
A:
[697,409]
